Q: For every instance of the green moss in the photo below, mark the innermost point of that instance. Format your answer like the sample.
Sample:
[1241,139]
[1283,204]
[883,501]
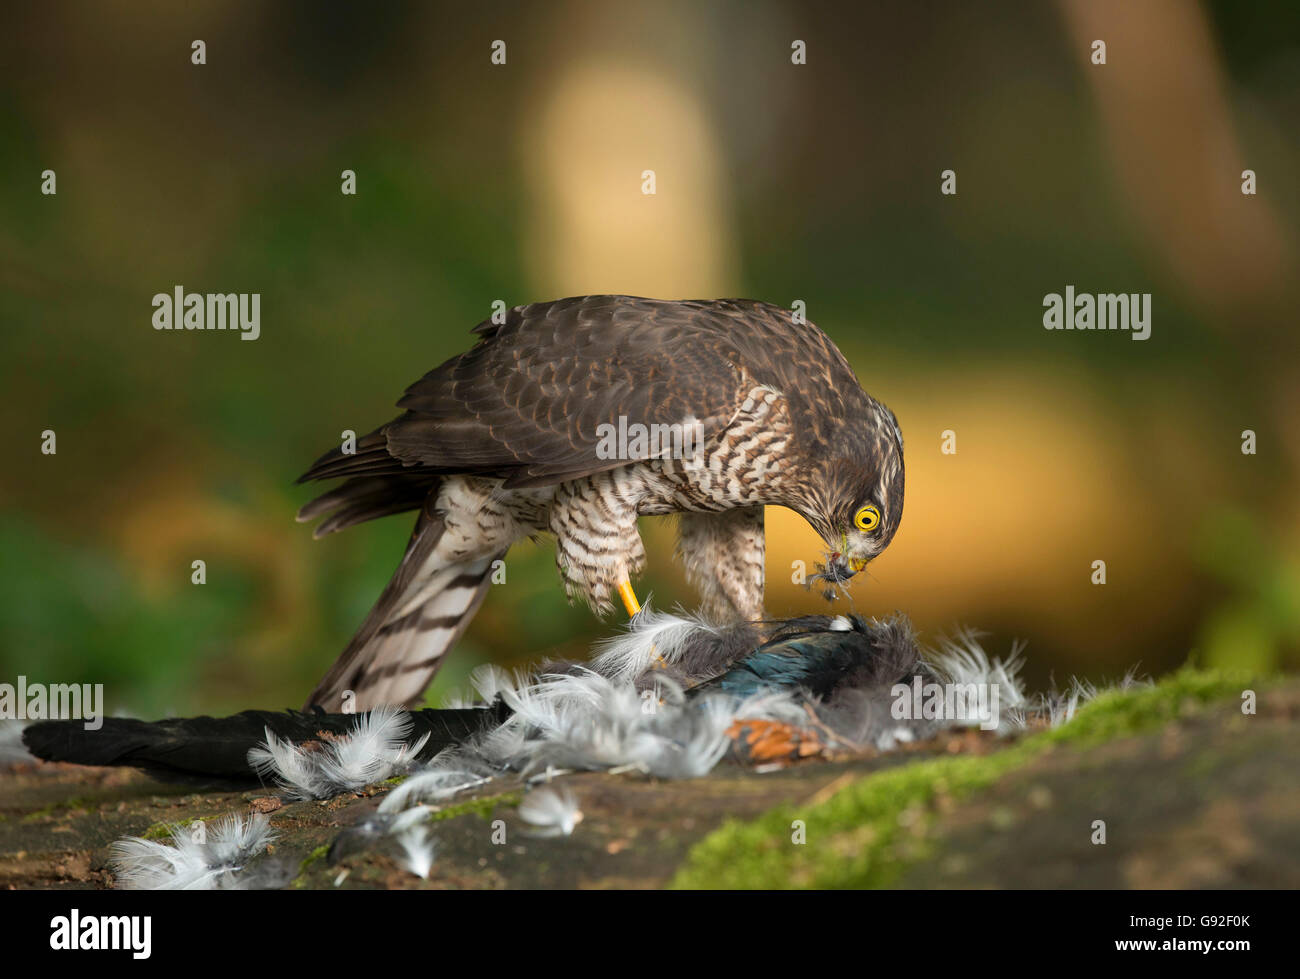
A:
[868,832]
[310,860]
[480,807]
[79,802]
[320,853]
[158,831]
[1119,713]
[164,830]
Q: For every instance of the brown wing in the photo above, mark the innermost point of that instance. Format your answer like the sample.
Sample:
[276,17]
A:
[527,402]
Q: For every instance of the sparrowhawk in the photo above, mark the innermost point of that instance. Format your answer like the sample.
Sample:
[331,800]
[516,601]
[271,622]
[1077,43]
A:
[548,425]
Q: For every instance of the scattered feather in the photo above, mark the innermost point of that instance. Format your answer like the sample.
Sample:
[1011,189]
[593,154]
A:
[439,781]
[374,750]
[651,639]
[12,749]
[410,831]
[583,721]
[216,863]
[551,812]
[489,680]
[962,661]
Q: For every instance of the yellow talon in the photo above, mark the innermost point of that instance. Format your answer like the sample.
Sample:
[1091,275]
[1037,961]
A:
[630,603]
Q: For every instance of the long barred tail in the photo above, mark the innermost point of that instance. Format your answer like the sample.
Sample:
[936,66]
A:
[394,662]
[422,612]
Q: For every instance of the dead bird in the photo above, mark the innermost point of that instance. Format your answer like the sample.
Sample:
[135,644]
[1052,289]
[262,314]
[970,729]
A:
[841,670]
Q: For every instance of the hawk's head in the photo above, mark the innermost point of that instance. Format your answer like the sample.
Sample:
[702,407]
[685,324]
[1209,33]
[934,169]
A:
[857,496]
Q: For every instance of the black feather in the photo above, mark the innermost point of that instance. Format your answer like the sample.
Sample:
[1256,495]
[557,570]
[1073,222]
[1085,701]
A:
[214,750]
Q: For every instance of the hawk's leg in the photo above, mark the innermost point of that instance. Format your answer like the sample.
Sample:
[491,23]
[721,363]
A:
[630,602]
[723,557]
[597,546]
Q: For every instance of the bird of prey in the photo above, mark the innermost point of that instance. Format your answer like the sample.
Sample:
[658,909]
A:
[546,426]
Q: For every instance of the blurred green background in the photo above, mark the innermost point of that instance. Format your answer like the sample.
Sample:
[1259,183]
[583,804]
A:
[522,182]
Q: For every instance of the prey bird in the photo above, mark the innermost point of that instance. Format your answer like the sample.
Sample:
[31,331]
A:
[548,425]
[836,675]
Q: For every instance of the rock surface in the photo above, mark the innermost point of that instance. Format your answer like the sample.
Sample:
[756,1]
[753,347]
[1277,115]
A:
[1208,799]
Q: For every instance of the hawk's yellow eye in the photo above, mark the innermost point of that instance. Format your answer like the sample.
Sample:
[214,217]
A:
[868,518]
